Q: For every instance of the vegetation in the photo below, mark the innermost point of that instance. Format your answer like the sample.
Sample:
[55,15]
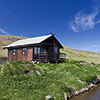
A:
[87,56]
[16,84]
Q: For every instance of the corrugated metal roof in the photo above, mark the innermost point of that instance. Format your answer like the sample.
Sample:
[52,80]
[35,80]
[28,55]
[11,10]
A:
[29,41]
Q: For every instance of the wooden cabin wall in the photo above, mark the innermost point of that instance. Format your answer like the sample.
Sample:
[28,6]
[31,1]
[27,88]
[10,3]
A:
[50,47]
[29,54]
[10,55]
[24,57]
[19,56]
[14,58]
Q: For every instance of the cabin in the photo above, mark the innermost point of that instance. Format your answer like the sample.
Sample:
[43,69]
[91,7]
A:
[38,49]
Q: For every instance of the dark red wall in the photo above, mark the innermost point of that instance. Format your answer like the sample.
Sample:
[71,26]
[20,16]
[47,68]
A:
[10,55]
[19,56]
[24,57]
[29,54]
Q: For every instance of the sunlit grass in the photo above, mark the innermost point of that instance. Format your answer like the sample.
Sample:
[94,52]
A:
[54,79]
[81,55]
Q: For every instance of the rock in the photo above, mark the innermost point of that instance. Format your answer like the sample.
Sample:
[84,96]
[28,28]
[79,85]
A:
[81,91]
[34,62]
[78,79]
[91,85]
[48,97]
[38,69]
[98,77]
[65,96]
[38,72]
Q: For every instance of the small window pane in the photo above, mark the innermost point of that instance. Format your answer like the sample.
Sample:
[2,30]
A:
[55,49]
[24,51]
[41,49]
[14,51]
[38,50]
[35,50]
[44,50]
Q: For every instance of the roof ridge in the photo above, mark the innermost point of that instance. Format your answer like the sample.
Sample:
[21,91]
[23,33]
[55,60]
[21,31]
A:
[33,38]
[42,36]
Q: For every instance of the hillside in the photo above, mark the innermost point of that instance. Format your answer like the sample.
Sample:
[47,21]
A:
[6,40]
[87,56]
[70,53]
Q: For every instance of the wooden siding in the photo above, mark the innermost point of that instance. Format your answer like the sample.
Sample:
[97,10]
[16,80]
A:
[14,58]
[29,54]
[19,54]
[10,55]
[24,57]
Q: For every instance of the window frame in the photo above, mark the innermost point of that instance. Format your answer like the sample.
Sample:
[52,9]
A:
[24,51]
[36,52]
[14,52]
[43,50]
[55,49]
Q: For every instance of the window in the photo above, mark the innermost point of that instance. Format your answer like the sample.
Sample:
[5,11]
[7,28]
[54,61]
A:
[24,51]
[36,50]
[56,49]
[14,51]
[43,49]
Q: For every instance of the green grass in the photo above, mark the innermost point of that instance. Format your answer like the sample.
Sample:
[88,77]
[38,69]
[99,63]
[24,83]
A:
[54,79]
[87,56]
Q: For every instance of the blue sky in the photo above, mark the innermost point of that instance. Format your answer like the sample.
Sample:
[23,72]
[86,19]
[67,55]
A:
[75,22]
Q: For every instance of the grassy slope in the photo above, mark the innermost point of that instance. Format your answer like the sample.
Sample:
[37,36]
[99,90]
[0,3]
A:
[81,55]
[54,80]
[6,40]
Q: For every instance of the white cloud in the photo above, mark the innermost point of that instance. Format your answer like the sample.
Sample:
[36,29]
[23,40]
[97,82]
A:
[84,21]
[4,32]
